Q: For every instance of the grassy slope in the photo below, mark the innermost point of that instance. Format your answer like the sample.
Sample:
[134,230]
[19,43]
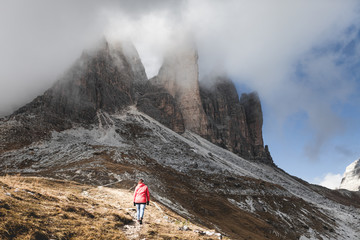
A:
[39,208]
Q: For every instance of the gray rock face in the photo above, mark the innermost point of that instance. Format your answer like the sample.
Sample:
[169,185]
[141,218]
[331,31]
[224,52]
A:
[100,80]
[107,80]
[225,114]
[214,112]
[159,104]
[112,77]
[179,75]
[254,120]
[234,124]
[351,179]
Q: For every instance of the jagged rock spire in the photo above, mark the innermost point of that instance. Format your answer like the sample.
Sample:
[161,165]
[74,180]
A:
[234,124]
[102,79]
[111,77]
[179,74]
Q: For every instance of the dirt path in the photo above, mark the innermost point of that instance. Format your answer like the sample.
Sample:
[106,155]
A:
[100,212]
[132,231]
[158,220]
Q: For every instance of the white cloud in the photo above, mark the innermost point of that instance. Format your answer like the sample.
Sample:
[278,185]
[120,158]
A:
[330,180]
[262,43]
[259,43]
[40,39]
[151,33]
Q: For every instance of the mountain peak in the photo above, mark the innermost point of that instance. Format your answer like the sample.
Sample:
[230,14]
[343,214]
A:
[110,78]
[102,79]
[235,124]
[351,179]
[179,75]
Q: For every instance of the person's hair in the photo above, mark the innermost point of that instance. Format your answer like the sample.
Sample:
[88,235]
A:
[141,180]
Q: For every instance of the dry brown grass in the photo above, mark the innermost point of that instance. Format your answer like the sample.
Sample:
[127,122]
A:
[41,209]
[35,208]
[167,225]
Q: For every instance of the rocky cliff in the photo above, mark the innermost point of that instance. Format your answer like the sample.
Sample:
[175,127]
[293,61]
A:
[158,103]
[234,124]
[179,75]
[111,78]
[104,80]
[214,111]
[351,179]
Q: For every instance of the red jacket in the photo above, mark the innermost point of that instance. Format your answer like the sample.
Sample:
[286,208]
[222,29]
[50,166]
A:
[141,194]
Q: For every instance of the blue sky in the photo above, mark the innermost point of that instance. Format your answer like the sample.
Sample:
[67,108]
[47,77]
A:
[301,56]
[288,143]
[290,138]
[303,59]
[339,149]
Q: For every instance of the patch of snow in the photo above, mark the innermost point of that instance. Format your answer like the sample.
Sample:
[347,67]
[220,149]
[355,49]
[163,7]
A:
[248,205]
[95,136]
[284,217]
[312,235]
[348,222]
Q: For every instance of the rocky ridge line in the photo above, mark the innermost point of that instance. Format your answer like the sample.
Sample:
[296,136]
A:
[111,78]
[213,110]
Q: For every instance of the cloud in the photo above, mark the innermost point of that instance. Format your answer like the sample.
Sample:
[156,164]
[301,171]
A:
[151,33]
[345,151]
[285,51]
[39,40]
[330,180]
[294,53]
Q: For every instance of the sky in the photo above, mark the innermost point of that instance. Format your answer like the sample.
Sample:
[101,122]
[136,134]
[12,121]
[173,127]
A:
[301,56]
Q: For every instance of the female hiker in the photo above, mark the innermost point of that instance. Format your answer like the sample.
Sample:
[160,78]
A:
[141,197]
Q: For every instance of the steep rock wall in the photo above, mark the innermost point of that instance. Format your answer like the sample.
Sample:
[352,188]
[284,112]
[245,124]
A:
[111,78]
[213,111]
[234,124]
[159,104]
[100,80]
[179,76]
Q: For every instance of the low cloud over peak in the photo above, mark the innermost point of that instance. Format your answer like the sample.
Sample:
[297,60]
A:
[296,54]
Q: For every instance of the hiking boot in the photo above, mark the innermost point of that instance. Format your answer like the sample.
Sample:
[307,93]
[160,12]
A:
[140,221]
